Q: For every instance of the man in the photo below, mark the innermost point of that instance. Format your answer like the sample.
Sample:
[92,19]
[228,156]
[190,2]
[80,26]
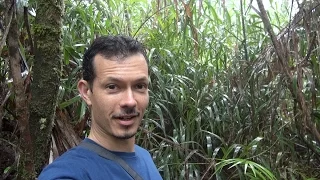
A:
[115,88]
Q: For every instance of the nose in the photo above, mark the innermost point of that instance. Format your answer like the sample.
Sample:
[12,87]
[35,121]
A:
[128,99]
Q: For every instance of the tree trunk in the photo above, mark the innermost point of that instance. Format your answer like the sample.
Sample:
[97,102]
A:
[26,165]
[304,121]
[46,76]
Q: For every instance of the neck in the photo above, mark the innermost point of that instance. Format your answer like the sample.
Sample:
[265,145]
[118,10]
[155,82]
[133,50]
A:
[112,143]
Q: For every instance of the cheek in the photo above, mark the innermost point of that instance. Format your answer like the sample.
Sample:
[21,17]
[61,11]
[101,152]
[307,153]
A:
[145,101]
[104,102]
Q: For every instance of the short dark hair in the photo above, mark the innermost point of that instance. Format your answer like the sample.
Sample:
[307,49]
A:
[109,46]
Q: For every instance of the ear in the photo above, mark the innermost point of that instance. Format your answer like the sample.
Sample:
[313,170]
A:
[85,91]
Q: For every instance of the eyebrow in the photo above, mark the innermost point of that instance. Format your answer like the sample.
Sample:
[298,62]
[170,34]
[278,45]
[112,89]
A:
[116,79]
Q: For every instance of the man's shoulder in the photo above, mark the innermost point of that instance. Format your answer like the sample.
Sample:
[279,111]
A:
[73,164]
[140,149]
[75,155]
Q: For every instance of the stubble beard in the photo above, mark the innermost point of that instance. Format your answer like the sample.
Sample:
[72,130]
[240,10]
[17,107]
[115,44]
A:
[126,135]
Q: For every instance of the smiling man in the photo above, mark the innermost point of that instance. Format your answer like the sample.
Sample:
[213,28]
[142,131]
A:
[115,88]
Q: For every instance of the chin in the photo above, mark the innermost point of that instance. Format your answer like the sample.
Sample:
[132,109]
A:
[126,135]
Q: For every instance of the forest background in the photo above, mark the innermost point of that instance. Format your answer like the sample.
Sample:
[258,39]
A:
[234,85]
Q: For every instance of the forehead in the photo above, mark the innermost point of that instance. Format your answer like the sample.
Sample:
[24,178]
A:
[130,66]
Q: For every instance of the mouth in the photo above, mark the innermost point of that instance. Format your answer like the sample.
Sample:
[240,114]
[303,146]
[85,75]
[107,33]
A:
[126,120]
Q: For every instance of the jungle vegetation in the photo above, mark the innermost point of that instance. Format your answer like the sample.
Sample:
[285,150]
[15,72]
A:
[234,85]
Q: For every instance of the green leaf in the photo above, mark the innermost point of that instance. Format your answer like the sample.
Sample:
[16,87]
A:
[69,102]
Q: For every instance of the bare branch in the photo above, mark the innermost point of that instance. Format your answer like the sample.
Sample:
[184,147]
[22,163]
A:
[4,38]
[267,25]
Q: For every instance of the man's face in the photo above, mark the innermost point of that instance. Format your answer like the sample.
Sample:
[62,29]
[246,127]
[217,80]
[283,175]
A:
[119,95]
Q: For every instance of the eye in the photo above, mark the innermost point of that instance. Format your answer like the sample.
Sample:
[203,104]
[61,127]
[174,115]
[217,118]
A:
[141,87]
[111,86]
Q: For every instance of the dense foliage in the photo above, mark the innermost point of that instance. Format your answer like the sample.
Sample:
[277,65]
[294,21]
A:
[221,103]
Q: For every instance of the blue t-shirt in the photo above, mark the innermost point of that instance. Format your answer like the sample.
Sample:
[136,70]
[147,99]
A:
[80,163]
